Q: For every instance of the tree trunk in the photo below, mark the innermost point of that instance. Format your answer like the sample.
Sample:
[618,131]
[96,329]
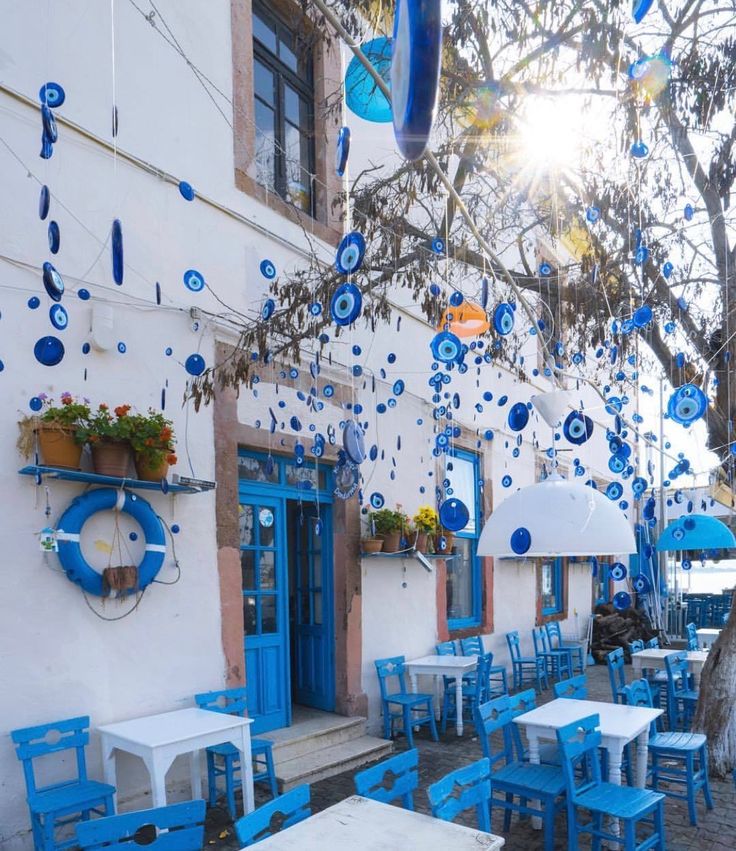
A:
[716,712]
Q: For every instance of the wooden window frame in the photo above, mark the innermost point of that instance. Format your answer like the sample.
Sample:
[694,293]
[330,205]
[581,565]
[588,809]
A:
[560,615]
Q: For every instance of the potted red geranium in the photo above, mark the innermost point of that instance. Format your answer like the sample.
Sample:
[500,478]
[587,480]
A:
[153,441]
[108,434]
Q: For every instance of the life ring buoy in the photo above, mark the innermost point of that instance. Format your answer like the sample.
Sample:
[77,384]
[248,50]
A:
[77,569]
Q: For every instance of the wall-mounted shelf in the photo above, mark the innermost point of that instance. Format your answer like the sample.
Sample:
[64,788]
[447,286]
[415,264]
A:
[96,479]
[424,559]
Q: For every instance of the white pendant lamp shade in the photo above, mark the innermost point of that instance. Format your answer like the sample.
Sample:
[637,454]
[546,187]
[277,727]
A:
[552,406]
[556,518]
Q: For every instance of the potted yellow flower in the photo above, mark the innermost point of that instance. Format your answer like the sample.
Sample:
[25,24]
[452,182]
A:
[425,523]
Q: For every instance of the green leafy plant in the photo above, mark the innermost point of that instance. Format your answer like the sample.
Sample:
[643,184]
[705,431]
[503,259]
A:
[105,424]
[70,415]
[152,438]
[385,521]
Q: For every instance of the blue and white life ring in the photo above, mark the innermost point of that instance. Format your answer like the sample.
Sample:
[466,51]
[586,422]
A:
[105,499]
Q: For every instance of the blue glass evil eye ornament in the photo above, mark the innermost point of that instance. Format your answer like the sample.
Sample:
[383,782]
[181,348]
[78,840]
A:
[520,541]
[187,191]
[52,282]
[642,316]
[668,269]
[503,319]
[618,571]
[454,514]
[44,202]
[622,601]
[49,351]
[58,317]
[194,364]
[353,442]
[376,500]
[592,214]
[438,245]
[415,72]
[688,212]
[362,95]
[267,310]
[51,94]
[641,584]
[639,150]
[577,427]
[484,293]
[346,304]
[268,270]
[350,253]
[639,8]
[518,416]
[117,252]
[614,491]
[54,235]
[446,347]
[342,151]
[639,485]
[194,280]
[50,131]
[687,404]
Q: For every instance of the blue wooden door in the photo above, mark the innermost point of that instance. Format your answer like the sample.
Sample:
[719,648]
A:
[265,611]
[313,664]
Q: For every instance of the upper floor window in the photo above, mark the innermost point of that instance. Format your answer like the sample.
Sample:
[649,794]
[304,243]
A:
[284,110]
[552,587]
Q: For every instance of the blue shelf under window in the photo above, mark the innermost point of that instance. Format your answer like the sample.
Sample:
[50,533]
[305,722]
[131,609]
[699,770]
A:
[96,479]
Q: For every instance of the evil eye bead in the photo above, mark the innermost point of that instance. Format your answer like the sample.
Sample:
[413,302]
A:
[503,319]
[194,280]
[376,500]
[50,130]
[398,387]
[506,481]
[686,564]
[438,245]
[51,94]
[639,150]
[641,584]
[353,442]
[446,347]
[639,485]
[454,514]
[346,304]
[350,253]
[577,428]
[518,416]
[315,308]
[52,282]
[687,404]
[268,270]
[521,541]
[456,299]
[342,151]
[58,317]
[639,8]
[117,252]
[195,364]
[614,491]
[49,351]
[545,269]
[618,571]
[44,202]
[617,463]
[267,310]
[592,214]
[415,72]
[678,534]
[34,302]
[54,235]
[642,316]
[688,212]
[622,601]
[667,269]
[187,191]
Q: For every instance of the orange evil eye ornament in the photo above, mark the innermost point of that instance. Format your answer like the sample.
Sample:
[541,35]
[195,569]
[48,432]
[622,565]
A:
[466,320]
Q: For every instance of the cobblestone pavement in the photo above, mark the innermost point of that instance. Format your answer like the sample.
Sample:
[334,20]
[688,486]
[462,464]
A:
[716,830]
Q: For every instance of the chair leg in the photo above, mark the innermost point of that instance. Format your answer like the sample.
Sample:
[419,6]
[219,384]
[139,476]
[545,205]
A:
[445,711]
[211,780]
[597,825]
[507,813]
[386,721]
[659,825]
[572,829]
[630,835]
[629,767]
[49,843]
[703,758]
[432,723]
[549,826]
[690,786]
[655,770]
[408,732]
[273,783]
[230,785]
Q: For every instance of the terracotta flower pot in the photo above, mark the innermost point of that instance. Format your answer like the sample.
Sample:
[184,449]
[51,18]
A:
[58,447]
[449,541]
[371,545]
[149,472]
[112,458]
[392,541]
[420,541]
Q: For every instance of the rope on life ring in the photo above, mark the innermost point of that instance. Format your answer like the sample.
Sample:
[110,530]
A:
[77,569]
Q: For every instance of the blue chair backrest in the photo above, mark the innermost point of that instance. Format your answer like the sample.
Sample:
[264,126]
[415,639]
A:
[482,678]
[392,666]
[230,701]
[539,636]
[576,688]
[278,814]
[554,635]
[616,674]
[393,778]
[446,648]
[520,703]
[638,693]
[652,644]
[512,639]
[692,636]
[472,646]
[183,823]
[490,718]
[469,786]
[45,739]
[677,671]
[636,646]
[579,743]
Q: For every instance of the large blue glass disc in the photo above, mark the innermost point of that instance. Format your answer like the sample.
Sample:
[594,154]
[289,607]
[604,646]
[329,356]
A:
[687,404]
[503,319]
[350,253]
[49,351]
[454,514]
[518,416]
[346,304]
[353,442]
[117,252]
[52,282]
[577,428]
[622,601]
[194,364]
[520,541]
[362,96]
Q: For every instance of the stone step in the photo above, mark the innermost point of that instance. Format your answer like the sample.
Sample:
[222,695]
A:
[328,761]
[311,731]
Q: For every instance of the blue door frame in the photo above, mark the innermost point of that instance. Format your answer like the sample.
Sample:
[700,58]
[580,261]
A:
[277,485]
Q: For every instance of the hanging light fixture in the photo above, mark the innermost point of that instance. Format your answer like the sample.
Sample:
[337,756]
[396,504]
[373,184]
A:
[556,517]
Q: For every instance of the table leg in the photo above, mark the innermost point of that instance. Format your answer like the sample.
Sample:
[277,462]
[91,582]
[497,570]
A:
[413,682]
[195,773]
[109,768]
[696,676]
[534,759]
[242,743]
[459,704]
[615,758]
[157,766]
[642,755]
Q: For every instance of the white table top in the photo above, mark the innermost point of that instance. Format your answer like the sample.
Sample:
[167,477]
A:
[659,655]
[461,663]
[178,726]
[708,632]
[617,720]
[360,824]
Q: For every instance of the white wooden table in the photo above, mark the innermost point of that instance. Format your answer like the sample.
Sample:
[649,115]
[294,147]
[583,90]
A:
[444,666]
[159,739]
[707,637]
[360,824]
[655,659]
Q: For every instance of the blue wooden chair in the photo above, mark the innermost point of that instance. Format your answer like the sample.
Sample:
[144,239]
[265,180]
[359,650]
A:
[669,748]
[462,789]
[691,632]
[652,644]
[616,674]
[557,662]
[234,701]
[576,648]
[512,778]
[391,779]
[447,648]
[183,826]
[586,792]
[65,802]
[656,679]
[286,810]
[520,703]
[522,667]
[576,688]
[682,698]
[635,646]
[409,704]
[473,646]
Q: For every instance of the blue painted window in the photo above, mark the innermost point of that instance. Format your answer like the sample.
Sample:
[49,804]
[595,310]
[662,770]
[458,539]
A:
[464,585]
[602,584]
[552,591]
